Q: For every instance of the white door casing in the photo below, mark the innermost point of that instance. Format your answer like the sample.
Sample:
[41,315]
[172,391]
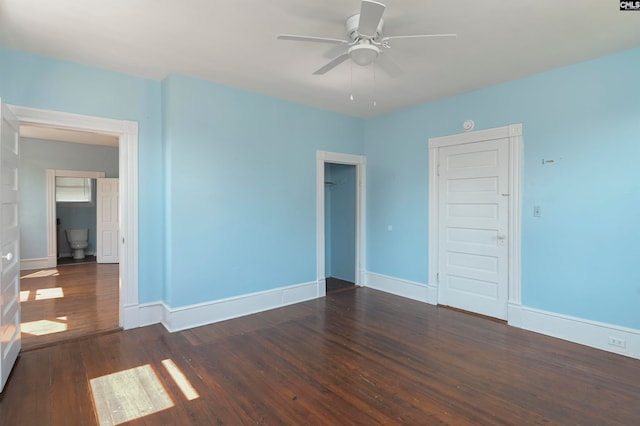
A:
[10,341]
[127,132]
[474,220]
[108,224]
[359,161]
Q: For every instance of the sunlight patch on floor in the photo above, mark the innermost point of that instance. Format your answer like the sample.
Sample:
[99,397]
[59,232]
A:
[181,380]
[43,273]
[42,327]
[127,395]
[49,293]
[24,295]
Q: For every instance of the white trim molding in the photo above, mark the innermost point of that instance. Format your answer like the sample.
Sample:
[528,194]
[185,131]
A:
[404,288]
[578,330]
[360,162]
[514,134]
[127,133]
[41,263]
[185,317]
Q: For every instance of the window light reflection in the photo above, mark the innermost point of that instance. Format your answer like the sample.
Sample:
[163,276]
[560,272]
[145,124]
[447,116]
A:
[42,327]
[49,293]
[128,395]
[42,274]
[180,379]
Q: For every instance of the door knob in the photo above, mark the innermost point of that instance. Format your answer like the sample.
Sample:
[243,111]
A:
[501,236]
[8,256]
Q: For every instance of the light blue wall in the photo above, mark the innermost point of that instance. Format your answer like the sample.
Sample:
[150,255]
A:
[242,189]
[38,82]
[36,156]
[342,221]
[580,258]
[227,179]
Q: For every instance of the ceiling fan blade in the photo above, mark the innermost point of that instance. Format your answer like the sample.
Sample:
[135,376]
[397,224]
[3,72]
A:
[385,39]
[334,63]
[335,50]
[310,38]
[388,65]
[370,16]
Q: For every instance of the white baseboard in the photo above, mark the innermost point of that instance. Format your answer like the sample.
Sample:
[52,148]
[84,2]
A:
[577,330]
[131,317]
[177,319]
[400,287]
[42,263]
[151,313]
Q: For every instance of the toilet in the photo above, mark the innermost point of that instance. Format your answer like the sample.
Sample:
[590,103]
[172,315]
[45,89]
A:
[77,239]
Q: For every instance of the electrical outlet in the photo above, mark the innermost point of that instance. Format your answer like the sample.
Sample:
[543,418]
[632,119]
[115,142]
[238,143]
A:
[537,211]
[617,341]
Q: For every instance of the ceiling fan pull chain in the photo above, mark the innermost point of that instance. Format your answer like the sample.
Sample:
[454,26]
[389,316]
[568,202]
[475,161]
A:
[351,83]
[374,85]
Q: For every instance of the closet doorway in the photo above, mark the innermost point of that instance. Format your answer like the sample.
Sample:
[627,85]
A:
[340,226]
[340,213]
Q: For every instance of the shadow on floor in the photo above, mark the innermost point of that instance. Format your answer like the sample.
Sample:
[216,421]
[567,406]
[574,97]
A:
[336,285]
[72,261]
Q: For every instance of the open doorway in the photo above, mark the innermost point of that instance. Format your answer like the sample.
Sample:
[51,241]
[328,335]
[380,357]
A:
[65,293]
[340,226]
[340,183]
[127,134]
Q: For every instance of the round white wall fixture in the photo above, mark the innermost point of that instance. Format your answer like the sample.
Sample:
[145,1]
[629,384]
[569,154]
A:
[468,125]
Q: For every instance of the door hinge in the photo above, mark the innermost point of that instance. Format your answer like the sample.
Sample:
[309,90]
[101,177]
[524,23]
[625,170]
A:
[438,277]
[438,170]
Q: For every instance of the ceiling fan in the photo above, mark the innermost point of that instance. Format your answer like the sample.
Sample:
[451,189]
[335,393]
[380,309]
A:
[366,43]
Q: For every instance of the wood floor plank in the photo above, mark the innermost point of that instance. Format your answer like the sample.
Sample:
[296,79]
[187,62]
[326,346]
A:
[68,373]
[68,302]
[357,357]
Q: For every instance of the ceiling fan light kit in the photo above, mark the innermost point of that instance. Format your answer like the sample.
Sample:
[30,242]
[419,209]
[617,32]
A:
[365,40]
[363,54]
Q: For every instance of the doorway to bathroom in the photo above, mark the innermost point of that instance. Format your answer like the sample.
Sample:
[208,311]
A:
[74,194]
[65,293]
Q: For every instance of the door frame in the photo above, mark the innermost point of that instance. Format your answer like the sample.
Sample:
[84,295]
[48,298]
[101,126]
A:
[52,235]
[514,134]
[127,133]
[360,162]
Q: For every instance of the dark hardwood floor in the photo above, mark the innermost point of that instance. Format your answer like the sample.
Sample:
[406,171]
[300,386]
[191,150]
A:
[68,302]
[335,285]
[356,357]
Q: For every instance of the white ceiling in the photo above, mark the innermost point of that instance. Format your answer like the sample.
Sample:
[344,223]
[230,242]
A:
[64,135]
[233,42]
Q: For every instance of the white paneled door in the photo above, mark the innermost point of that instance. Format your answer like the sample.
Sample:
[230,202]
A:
[473,212]
[108,224]
[9,244]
